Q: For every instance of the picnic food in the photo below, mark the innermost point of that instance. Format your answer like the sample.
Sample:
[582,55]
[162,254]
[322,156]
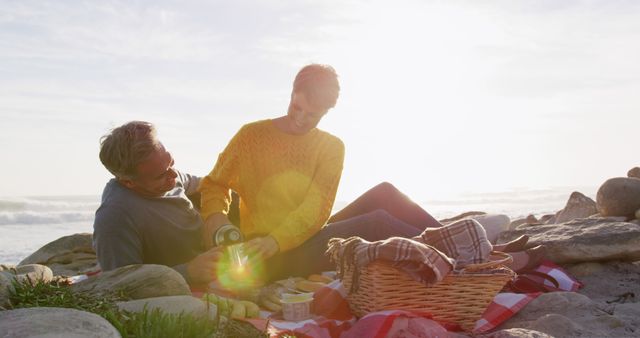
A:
[320,278]
[309,286]
[233,308]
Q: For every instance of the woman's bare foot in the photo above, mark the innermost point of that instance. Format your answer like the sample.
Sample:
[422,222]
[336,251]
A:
[517,244]
[528,259]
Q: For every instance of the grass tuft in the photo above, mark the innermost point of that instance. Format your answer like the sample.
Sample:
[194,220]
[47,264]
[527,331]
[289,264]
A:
[145,324]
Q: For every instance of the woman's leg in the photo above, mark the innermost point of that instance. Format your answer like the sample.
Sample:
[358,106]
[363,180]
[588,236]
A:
[387,197]
[310,258]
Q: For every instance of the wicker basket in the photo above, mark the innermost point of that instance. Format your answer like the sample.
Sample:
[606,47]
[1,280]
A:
[459,298]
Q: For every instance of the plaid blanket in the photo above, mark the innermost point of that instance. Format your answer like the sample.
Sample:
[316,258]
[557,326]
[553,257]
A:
[423,263]
[427,258]
[334,319]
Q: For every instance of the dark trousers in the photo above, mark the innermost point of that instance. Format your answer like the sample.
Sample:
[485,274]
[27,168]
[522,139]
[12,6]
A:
[380,213]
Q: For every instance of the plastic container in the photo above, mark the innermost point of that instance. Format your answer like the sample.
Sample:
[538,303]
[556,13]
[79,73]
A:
[296,307]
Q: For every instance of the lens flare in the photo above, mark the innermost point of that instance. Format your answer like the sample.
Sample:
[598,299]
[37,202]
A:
[236,272]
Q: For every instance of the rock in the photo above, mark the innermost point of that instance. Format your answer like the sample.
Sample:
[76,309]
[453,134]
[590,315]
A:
[6,286]
[172,305]
[634,172]
[628,313]
[585,269]
[583,240]
[136,282]
[548,219]
[493,224]
[467,214]
[578,206]
[67,256]
[34,272]
[638,214]
[619,196]
[529,220]
[610,283]
[515,333]
[5,267]
[569,314]
[54,322]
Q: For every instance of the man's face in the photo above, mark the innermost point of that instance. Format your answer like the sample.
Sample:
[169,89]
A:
[303,115]
[155,175]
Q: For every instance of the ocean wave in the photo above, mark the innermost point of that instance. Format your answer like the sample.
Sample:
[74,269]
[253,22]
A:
[31,218]
[65,203]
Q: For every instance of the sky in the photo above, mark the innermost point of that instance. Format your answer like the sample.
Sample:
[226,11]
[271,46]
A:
[437,97]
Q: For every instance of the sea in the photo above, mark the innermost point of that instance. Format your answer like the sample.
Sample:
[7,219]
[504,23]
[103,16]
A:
[28,223]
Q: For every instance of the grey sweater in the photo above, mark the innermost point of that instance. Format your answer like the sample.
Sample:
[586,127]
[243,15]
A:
[132,229]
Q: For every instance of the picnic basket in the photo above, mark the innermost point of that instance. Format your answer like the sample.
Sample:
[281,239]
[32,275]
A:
[461,297]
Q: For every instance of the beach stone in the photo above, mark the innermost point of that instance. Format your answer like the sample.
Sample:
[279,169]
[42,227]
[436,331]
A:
[548,219]
[66,256]
[54,322]
[6,287]
[578,206]
[611,283]
[634,172]
[585,269]
[136,281]
[619,196]
[529,220]
[33,273]
[569,314]
[5,267]
[172,305]
[515,333]
[493,224]
[629,313]
[583,240]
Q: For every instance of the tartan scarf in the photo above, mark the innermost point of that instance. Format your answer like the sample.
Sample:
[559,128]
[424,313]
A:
[423,263]
[427,258]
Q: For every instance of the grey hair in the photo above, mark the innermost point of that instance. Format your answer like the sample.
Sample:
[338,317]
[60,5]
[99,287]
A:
[124,147]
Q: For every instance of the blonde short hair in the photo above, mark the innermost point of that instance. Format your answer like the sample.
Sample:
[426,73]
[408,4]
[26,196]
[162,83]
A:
[124,147]
[319,83]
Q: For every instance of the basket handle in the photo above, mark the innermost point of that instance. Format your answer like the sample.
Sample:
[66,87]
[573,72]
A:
[505,258]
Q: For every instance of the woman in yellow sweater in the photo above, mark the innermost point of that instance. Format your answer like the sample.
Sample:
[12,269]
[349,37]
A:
[286,173]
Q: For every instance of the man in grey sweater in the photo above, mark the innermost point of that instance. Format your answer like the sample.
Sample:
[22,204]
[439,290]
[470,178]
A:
[145,216]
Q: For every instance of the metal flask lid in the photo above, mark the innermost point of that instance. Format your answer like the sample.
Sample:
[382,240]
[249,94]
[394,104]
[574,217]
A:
[228,234]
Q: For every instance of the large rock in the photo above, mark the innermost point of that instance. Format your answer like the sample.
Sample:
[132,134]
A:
[172,305]
[583,240]
[634,172]
[569,314]
[5,267]
[6,286]
[578,206]
[34,273]
[136,282]
[66,256]
[619,196]
[613,282]
[54,322]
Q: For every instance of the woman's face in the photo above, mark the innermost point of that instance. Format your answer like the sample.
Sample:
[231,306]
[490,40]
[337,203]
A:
[303,115]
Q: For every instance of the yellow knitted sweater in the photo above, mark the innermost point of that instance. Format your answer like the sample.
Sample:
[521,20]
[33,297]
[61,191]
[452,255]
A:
[287,183]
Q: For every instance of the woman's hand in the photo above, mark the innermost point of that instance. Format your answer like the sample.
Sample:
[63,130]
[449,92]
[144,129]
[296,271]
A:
[262,247]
